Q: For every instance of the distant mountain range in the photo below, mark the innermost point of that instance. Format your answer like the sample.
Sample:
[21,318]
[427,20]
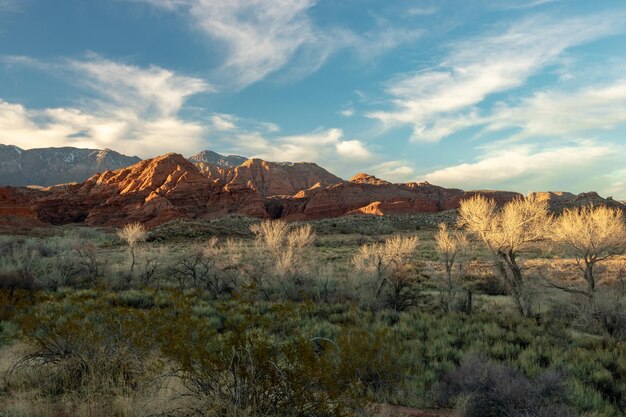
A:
[213,158]
[210,185]
[51,166]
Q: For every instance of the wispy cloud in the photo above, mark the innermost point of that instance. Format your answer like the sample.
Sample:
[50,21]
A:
[563,113]
[422,11]
[262,37]
[325,146]
[8,5]
[135,110]
[504,165]
[479,67]
[523,4]
[395,171]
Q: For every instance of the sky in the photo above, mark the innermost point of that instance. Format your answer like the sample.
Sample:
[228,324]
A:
[522,95]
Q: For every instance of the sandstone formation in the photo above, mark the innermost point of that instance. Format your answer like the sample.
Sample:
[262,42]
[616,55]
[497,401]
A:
[270,178]
[17,207]
[366,194]
[171,187]
[50,166]
[152,192]
[559,201]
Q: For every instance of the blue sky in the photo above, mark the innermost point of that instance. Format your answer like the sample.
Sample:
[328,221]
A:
[510,94]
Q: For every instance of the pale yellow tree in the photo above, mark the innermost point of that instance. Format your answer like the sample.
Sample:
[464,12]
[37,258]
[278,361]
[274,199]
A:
[285,243]
[133,234]
[590,235]
[391,263]
[507,232]
[450,245]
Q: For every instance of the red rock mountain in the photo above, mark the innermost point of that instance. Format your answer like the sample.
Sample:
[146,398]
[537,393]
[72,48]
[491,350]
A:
[152,192]
[270,178]
[559,200]
[169,187]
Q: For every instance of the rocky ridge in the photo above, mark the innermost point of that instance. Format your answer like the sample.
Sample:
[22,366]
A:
[172,187]
[50,166]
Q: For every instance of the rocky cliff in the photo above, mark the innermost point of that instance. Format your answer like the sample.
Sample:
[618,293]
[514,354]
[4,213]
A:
[171,187]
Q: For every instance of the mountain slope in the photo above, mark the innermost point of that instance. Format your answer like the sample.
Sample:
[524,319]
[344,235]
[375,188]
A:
[50,166]
[270,178]
[152,192]
[171,187]
[213,158]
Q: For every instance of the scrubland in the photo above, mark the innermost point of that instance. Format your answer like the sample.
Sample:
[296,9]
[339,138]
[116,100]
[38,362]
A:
[494,312]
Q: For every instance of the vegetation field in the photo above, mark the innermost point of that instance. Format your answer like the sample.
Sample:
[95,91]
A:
[237,317]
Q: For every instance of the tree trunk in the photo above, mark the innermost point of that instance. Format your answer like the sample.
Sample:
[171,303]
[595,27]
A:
[513,277]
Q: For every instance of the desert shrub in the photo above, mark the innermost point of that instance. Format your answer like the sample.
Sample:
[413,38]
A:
[484,389]
[132,234]
[15,280]
[374,359]
[213,267]
[489,284]
[286,246]
[83,350]
[394,270]
[134,299]
[451,248]
[250,372]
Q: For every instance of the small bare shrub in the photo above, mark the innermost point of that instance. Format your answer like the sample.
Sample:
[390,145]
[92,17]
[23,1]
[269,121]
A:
[133,234]
[392,264]
[483,389]
[286,246]
[213,267]
[451,247]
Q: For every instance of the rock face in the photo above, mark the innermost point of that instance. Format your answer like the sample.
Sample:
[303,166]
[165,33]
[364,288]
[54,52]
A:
[366,194]
[50,166]
[152,192]
[270,178]
[213,158]
[559,201]
[17,207]
[171,187]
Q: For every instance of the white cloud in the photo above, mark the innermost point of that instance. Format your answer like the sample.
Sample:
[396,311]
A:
[347,112]
[422,11]
[479,67]
[8,5]
[557,113]
[223,121]
[394,171]
[327,147]
[319,146]
[262,37]
[153,90]
[353,149]
[136,112]
[504,164]
[522,4]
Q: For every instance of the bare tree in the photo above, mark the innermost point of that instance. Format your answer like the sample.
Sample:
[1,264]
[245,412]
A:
[213,267]
[507,232]
[392,264]
[450,246]
[88,259]
[133,234]
[591,235]
[286,245]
